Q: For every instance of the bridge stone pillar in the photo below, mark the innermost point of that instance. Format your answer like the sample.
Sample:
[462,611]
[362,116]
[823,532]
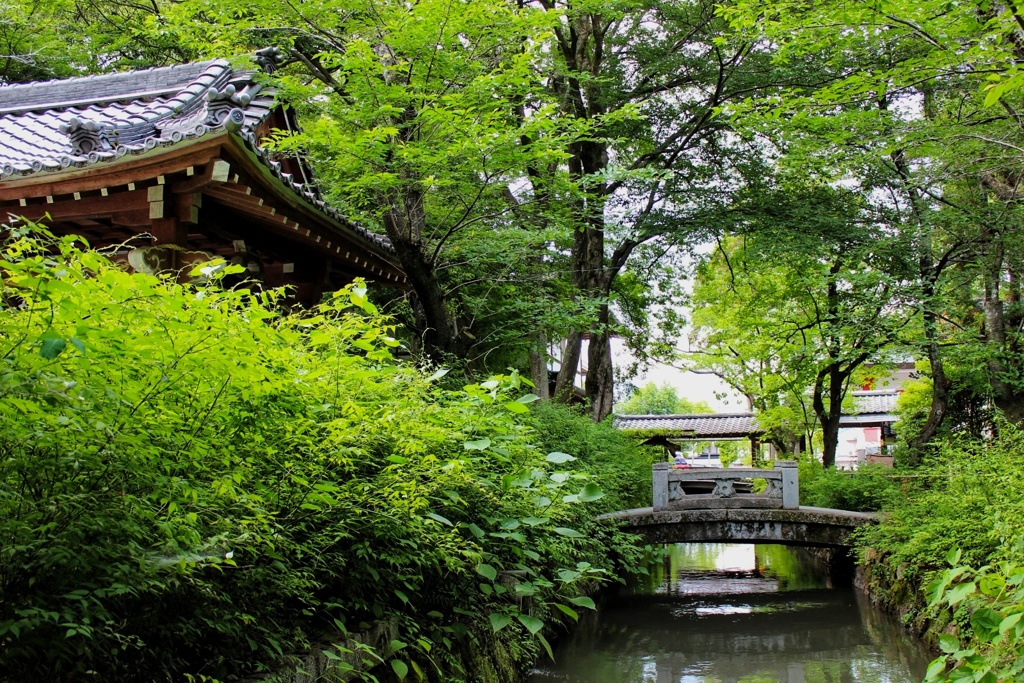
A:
[660,479]
[790,484]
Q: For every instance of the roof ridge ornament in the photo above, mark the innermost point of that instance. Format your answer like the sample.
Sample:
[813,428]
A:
[86,136]
[269,58]
[224,107]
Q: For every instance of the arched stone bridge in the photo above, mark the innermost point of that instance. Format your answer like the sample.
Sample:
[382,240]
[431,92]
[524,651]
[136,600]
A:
[701,505]
[804,526]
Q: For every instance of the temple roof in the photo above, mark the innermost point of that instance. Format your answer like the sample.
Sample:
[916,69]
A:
[868,402]
[871,409]
[54,128]
[708,425]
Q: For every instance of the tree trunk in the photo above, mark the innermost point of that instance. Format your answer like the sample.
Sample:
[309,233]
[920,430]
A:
[437,329]
[539,366]
[600,377]
[565,383]
[1007,398]
[829,417]
[940,387]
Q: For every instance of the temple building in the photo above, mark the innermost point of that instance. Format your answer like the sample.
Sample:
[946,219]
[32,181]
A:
[166,167]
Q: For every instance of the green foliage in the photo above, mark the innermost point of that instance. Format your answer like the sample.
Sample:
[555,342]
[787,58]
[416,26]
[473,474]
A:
[654,399]
[613,458]
[194,483]
[958,498]
[866,489]
[788,310]
[993,595]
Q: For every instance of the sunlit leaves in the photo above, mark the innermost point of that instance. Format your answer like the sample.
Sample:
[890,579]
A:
[210,449]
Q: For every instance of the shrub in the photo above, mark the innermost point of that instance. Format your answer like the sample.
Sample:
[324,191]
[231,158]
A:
[866,489]
[194,483]
[958,498]
[615,460]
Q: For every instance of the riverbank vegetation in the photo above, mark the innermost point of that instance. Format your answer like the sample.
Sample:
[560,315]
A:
[839,182]
[195,484]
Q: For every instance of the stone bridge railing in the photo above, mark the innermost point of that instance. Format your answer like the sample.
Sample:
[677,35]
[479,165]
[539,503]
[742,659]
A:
[716,489]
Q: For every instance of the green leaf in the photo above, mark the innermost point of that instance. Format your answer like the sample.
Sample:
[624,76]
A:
[532,624]
[583,601]
[516,407]
[567,532]
[528,398]
[559,458]
[478,445]
[487,571]
[573,614]
[52,347]
[547,646]
[78,344]
[958,593]
[948,643]
[1009,622]
[590,492]
[438,374]
[438,518]
[534,521]
[499,621]
[935,669]
[400,668]
[985,622]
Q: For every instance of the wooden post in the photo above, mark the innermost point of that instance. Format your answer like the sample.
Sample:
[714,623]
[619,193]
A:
[660,480]
[790,484]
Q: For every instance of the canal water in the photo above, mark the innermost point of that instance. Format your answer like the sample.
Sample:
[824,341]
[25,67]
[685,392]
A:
[722,613]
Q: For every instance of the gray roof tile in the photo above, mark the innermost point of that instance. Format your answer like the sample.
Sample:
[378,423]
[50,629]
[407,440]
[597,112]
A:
[708,425]
[868,402]
[135,112]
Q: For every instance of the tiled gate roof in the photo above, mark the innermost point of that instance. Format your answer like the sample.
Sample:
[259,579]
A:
[710,425]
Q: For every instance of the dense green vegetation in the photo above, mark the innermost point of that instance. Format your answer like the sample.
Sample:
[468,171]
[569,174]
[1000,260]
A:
[189,462]
[655,399]
[185,464]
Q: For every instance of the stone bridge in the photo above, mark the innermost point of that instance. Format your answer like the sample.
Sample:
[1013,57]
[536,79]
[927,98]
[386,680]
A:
[805,526]
[705,505]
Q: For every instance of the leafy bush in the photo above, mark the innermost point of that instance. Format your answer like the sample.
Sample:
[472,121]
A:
[956,499]
[193,483]
[991,650]
[618,463]
[866,489]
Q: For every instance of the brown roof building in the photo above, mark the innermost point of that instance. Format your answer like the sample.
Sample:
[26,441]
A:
[175,155]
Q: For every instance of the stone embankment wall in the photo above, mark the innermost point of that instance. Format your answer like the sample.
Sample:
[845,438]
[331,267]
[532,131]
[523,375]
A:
[902,594]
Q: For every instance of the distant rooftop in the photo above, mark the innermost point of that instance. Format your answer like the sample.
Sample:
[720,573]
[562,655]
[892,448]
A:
[870,402]
[706,425]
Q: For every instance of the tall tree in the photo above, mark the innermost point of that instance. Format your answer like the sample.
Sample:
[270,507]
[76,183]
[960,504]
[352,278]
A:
[948,80]
[424,119]
[813,290]
[651,77]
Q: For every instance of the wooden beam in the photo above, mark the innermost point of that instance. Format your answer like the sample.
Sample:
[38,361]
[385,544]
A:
[87,207]
[169,231]
[186,207]
[215,172]
[112,175]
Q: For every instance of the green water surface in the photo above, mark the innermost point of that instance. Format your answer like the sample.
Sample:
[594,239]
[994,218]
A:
[720,613]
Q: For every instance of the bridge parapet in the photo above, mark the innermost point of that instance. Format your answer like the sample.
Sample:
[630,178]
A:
[687,489]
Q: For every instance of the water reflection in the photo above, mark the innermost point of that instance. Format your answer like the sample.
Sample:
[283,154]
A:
[736,614]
